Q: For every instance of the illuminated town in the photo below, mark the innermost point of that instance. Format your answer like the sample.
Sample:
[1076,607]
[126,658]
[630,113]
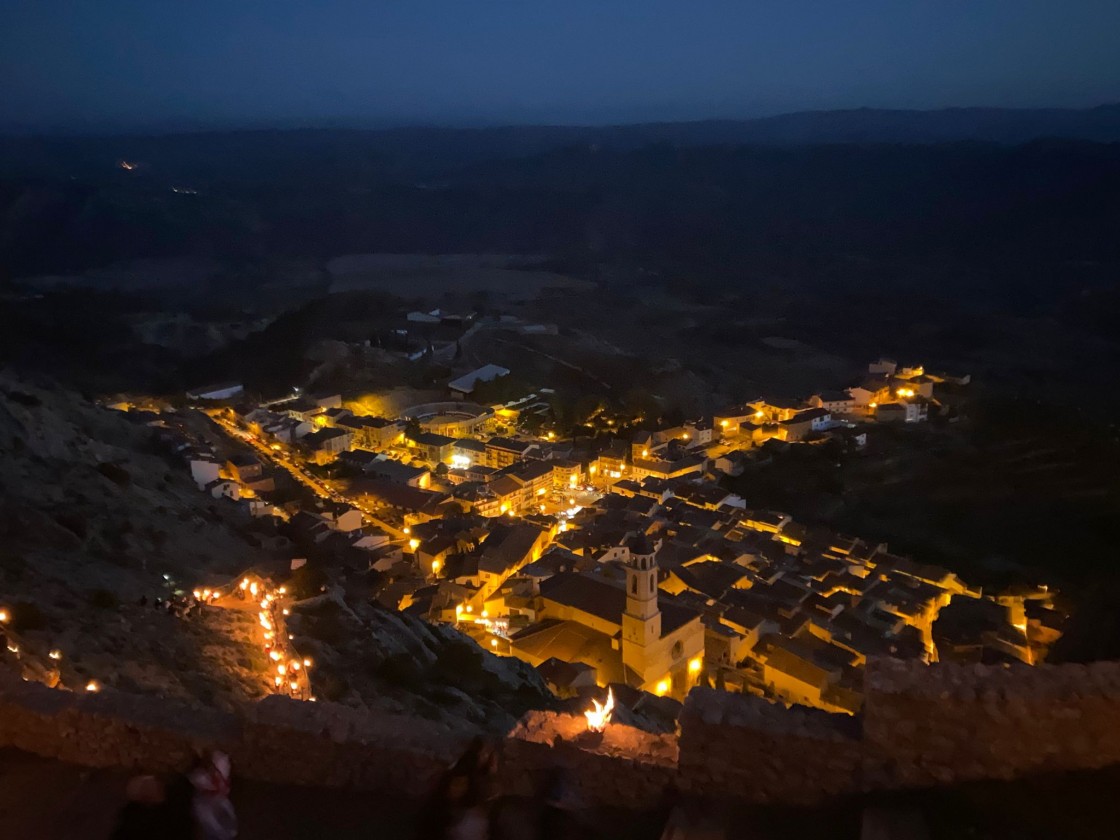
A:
[550,421]
[615,556]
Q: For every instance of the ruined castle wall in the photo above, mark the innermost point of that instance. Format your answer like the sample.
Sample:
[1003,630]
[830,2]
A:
[275,740]
[622,766]
[743,747]
[286,741]
[920,726]
[102,730]
[949,722]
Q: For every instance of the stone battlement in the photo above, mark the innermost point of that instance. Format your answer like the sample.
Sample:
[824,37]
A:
[739,746]
[920,726]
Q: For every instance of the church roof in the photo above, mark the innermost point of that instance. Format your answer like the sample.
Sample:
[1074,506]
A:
[588,593]
[674,615]
[605,599]
[571,641]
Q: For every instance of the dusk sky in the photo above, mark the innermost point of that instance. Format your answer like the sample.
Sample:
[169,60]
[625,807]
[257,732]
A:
[149,63]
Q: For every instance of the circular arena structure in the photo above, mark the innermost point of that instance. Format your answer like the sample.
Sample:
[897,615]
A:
[452,418]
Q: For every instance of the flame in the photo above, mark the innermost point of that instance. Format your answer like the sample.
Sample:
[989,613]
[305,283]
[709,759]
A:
[599,717]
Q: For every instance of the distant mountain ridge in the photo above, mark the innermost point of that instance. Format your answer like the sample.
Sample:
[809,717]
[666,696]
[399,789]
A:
[857,125]
[986,186]
[418,153]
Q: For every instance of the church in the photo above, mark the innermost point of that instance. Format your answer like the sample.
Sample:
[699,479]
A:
[615,621]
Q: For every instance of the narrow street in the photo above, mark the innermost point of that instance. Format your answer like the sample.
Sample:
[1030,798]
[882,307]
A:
[278,458]
[282,460]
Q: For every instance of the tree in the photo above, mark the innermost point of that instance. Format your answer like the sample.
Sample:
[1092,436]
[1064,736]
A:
[532,423]
[307,581]
[585,407]
[641,403]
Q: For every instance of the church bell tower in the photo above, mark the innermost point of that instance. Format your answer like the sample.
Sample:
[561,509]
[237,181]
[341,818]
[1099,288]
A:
[641,622]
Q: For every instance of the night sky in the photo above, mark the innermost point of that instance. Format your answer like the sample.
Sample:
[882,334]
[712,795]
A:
[194,63]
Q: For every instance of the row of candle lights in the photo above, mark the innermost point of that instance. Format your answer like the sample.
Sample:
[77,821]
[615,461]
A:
[55,654]
[287,668]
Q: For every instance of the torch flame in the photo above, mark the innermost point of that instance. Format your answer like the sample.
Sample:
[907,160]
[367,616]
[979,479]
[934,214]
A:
[599,717]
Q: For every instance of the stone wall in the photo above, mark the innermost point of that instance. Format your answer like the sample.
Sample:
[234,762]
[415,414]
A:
[743,747]
[621,766]
[948,723]
[276,740]
[920,726]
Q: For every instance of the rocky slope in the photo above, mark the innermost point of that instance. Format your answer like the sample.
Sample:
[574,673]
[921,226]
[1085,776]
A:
[96,524]
[365,651]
